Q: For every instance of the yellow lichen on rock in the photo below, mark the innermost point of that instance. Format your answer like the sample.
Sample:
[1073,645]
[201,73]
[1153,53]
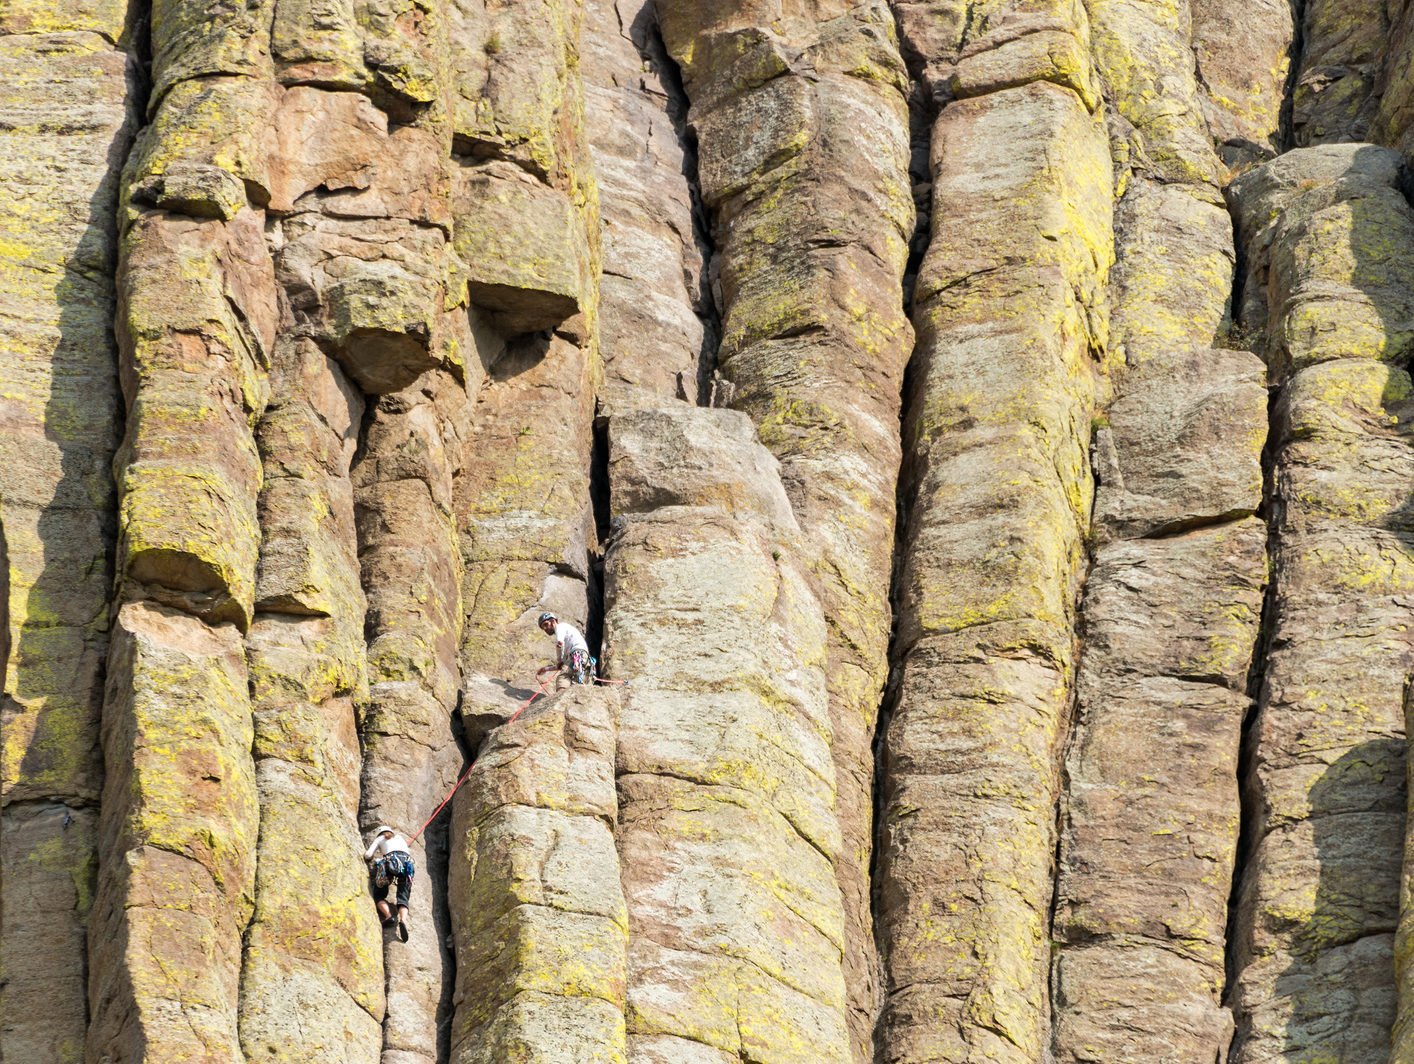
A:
[1328,239]
[66,90]
[178,829]
[997,437]
[733,801]
[542,931]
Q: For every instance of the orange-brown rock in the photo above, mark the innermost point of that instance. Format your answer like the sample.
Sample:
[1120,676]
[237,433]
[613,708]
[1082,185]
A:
[828,362]
[802,134]
[68,91]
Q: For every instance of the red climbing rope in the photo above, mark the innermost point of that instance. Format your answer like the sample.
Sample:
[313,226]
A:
[457,786]
[519,710]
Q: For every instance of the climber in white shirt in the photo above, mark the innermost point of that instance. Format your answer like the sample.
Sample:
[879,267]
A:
[572,652]
[391,863]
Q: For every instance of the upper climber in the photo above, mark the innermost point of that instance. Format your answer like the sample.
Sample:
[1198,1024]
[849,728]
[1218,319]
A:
[391,862]
[572,651]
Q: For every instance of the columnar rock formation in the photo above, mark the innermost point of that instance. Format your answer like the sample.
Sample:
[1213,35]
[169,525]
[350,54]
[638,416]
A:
[998,493]
[541,927]
[71,107]
[1331,247]
[802,132]
[978,431]
[728,827]
[1174,595]
[656,322]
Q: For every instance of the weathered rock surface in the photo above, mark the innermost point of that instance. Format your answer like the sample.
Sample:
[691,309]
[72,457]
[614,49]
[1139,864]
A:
[1244,51]
[803,140]
[1335,97]
[538,909]
[177,840]
[1151,816]
[412,308]
[654,330]
[69,79]
[727,825]
[999,492]
[1330,240]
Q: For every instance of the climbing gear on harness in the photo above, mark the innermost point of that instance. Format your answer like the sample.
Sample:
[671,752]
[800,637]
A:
[581,666]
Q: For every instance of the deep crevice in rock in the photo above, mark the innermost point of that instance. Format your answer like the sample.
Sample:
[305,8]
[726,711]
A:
[1293,75]
[599,502]
[921,118]
[649,39]
[1247,752]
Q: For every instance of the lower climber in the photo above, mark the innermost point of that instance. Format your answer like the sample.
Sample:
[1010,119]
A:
[573,660]
[390,863]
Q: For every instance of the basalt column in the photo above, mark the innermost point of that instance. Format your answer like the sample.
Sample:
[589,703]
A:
[1335,97]
[70,100]
[312,973]
[1330,242]
[373,305]
[1149,826]
[653,301]
[997,496]
[527,226]
[365,256]
[537,906]
[407,551]
[197,319]
[802,132]
[1244,51]
[728,829]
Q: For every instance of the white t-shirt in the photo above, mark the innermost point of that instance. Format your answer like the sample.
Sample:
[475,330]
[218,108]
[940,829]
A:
[568,640]
[383,845]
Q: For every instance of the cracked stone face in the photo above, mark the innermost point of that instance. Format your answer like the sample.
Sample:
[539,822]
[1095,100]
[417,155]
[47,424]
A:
[973,437]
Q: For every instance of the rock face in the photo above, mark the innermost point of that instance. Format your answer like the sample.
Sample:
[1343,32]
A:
[974,435]
[71,109]
[1320,898]
[998,493]
[728,829]
[538,908]
[802,131]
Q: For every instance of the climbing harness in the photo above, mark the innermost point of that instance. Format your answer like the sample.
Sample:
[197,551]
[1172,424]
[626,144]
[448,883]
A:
[462,779]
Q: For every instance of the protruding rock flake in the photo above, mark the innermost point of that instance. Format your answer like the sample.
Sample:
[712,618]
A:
[972,437]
